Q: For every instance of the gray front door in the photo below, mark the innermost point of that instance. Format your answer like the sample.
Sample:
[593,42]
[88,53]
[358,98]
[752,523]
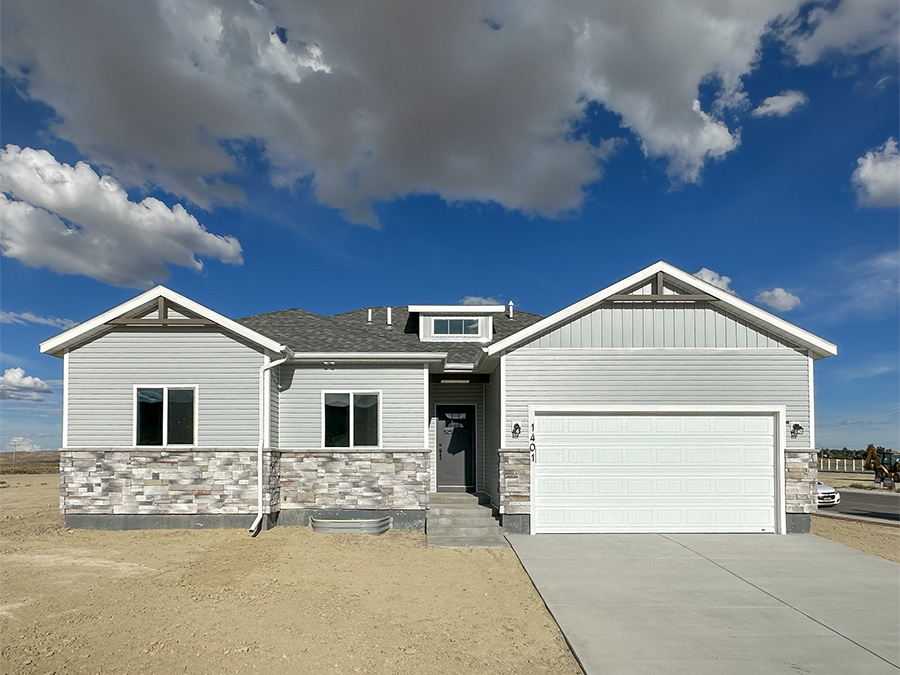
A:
[455,447]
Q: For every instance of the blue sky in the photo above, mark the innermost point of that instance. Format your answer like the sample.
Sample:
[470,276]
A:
[300,156]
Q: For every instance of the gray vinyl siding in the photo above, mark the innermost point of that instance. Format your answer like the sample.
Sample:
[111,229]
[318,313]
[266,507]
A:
[103,373]
[274,400]
[657,377]
[458,394]
[688,325]
[492,437]
[402,403]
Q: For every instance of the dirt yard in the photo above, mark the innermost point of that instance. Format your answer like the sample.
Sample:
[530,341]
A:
[288,601]
[880,540]
[861,481]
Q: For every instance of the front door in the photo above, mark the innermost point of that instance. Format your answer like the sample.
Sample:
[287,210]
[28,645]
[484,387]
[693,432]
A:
[455,448]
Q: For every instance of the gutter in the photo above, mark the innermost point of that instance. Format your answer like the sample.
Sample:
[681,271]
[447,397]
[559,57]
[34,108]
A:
[263,420]
[368,357]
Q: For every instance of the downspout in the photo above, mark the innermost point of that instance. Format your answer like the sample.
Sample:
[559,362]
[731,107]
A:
[263,421]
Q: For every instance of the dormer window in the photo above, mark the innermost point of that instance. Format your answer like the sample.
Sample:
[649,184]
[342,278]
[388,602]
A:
[455,326]
[456,323]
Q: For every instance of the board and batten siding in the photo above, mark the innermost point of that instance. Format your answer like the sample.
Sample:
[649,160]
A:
[687,325]
[492,439]
[458,394]
[103,373]
[656,377]
[300,403]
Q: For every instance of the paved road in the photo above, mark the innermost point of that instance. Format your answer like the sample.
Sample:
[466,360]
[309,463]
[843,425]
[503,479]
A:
[885,505]
[742,604]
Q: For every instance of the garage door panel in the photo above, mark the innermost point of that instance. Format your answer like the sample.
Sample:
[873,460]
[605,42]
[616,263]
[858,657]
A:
[643,472]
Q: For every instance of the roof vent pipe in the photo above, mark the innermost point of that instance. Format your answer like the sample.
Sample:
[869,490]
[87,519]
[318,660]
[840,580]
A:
[369,319]
[510,309]
[388,315]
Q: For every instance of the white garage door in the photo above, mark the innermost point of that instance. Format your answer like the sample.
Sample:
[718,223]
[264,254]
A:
[653,473]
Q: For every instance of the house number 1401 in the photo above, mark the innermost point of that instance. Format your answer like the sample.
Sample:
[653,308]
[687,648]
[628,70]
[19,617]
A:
[532,447]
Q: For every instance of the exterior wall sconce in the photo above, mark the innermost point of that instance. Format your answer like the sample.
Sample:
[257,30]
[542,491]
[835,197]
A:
[796,430]
[516,430]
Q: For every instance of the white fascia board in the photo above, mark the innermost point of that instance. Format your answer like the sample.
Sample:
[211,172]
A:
[777,325]
[456,309]
[459,367]
[91,327]
[370,357]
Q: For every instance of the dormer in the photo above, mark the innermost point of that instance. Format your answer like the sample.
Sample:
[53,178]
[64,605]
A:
[456,323]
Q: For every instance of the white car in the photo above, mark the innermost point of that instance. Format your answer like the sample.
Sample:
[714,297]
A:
[827,495]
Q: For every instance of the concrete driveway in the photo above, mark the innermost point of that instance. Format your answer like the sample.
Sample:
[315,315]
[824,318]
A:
[718,603]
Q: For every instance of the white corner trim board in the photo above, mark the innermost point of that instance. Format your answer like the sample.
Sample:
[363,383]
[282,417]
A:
[65,420]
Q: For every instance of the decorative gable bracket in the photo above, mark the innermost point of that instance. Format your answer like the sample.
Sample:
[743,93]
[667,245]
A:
[658,293]
[162,318]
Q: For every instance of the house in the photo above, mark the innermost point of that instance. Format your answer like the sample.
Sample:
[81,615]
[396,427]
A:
[658,404]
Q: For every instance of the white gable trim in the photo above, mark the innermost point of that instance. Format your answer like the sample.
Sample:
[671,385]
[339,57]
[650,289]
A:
[819,347]
[94,327]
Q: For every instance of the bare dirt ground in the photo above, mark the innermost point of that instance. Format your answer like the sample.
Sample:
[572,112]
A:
[858,480]
[288,601]
[40,461]
[880,540]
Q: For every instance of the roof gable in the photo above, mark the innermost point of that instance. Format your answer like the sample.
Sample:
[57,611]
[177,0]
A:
[663,284]
[139,308]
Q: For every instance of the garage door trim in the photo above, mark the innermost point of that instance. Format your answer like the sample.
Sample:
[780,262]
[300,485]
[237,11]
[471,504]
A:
[778,412]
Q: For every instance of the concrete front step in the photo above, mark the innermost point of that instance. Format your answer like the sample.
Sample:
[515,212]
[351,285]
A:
[462,520]
[468,542]
[457,498]
[456,531]
[460,511]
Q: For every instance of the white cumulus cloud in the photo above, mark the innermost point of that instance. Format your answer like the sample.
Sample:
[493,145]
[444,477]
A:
[479,300]
[877,176]
[848,27]
[30,317]
[781,105]
[468,100]
[75,221]
[22,444]
[779,299]
[15,385]
[716,279]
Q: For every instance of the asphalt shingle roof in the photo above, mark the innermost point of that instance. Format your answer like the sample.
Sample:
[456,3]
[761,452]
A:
[351,332]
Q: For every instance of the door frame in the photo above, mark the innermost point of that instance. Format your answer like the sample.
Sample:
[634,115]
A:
[778,412]
[437,484]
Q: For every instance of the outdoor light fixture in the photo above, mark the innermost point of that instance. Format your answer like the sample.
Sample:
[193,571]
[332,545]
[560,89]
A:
[516,430]
[796,430]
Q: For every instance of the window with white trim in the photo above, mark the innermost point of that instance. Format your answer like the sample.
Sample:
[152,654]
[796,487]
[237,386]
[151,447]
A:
[456,328]
[351,419]
[165,415]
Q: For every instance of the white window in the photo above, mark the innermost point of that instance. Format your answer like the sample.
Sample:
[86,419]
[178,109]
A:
[351,419]
[165,415]
[456,328]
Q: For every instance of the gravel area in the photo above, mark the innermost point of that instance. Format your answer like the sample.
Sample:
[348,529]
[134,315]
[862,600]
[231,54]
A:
[288,601]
